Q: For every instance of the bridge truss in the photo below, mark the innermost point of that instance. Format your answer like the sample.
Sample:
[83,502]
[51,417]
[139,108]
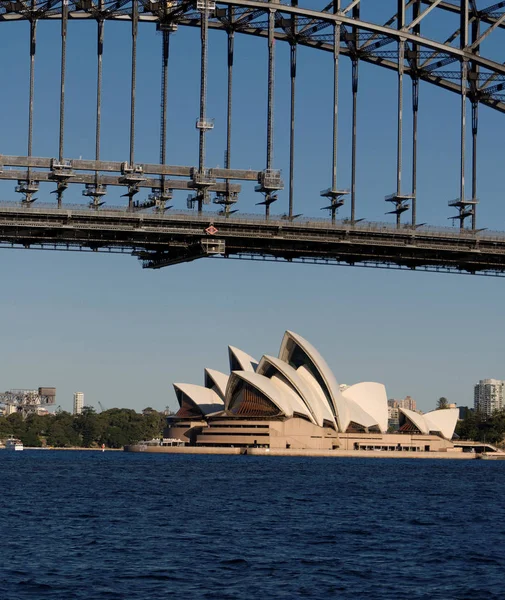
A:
[462,57]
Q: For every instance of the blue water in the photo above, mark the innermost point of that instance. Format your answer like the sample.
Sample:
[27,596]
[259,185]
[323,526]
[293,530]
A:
[86,525]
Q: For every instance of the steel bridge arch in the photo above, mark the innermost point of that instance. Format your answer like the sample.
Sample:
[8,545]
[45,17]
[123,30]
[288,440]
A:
[336,28]
[445,52]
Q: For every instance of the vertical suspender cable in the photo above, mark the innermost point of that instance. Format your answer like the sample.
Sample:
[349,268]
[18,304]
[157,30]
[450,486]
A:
[355,81]
[293,69]
[99,50]
[165,53]
[100,26]
[133,83]
[229,110]
[475,122]
[475,126]
[399,145]
[64,20]
[292,129]
[271,76]
[354,135]
[336,64]
[165,50]
[401,66]
[415,110]
[33,45]
[464,82]
[464,78]
[231,40]
[203,99]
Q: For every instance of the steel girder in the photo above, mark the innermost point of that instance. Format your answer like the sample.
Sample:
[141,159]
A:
[424,58]
[181,237]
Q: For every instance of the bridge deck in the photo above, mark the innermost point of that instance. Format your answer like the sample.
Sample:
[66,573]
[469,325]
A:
[164,239]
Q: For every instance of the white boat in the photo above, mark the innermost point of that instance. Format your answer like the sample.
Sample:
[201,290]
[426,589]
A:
[13,444]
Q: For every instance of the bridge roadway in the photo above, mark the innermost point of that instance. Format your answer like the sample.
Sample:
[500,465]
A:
[160,240]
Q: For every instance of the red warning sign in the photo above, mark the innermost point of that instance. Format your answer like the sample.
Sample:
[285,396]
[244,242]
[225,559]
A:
[211,230]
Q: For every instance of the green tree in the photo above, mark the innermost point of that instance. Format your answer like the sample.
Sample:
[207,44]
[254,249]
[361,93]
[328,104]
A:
[35,426]
[482,428]
[31,439]
[153,424]
[127,420]
[62,432]
[468,428]
[115,437]
[5,428]
[17,424]
[89,426]
[442,403]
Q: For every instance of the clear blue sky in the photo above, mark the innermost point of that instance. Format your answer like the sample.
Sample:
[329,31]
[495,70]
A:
[101,325]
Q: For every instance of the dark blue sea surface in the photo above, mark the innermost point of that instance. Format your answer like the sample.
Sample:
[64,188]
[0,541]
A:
[92,525]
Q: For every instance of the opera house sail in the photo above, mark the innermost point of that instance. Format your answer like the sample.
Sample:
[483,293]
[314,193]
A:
[292,401]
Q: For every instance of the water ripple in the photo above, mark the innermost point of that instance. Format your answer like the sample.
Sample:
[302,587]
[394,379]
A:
[99,526]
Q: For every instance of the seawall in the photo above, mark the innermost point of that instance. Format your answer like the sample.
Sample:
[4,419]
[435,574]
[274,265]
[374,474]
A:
[181,450]
[294,452]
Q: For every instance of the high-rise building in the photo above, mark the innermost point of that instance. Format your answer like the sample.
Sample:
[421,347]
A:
[408,403]
[393,417]
[78,403]
[489,395]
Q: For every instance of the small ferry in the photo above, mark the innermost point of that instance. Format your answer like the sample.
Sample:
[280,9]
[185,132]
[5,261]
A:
[14,444]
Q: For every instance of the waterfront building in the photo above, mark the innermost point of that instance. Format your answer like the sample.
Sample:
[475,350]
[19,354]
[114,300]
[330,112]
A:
[294,401]
[489,396]
[78,402]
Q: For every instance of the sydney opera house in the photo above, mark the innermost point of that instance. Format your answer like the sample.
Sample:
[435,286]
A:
[294,401]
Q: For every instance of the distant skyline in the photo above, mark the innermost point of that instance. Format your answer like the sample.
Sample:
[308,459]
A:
[100,324]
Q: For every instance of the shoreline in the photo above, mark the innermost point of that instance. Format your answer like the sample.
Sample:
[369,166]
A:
[307,453]
[299,453]
[73,448]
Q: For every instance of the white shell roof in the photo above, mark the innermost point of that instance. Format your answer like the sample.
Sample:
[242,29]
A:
[339,404]
[359,416]
[417,419]
[205,399]
[443,420]
[218,380]
[287,403]
[297,403]
[246,361]
[372,398]
[309,388]
[316,403]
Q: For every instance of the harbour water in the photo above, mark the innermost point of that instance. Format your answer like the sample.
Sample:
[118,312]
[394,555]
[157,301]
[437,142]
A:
[86,525]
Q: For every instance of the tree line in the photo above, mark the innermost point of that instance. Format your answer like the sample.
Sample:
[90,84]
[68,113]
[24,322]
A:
[115,428]
[482,428]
